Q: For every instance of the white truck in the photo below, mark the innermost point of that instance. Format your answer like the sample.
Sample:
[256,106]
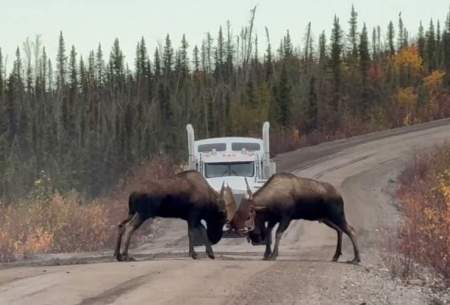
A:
[232,160]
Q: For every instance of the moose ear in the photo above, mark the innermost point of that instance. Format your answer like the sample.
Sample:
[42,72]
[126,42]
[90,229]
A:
[249,191]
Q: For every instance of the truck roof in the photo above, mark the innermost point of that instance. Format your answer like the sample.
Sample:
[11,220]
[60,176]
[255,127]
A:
[229,140]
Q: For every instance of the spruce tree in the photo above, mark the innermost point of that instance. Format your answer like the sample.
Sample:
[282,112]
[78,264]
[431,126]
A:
[401,33]
[73,73]
[168,57]
[284,96]
[117,66]
[100,66]
[184,59]
[157,63]
[268,57]
[391,36]
[364,64]
[421,41]
[430,48]
[196,59]
[322,49]
[312,109]
[288,49]
[220,55]
[61,63]
[336,63]
[229,53]
[374,44]
[438,44]
[353,35]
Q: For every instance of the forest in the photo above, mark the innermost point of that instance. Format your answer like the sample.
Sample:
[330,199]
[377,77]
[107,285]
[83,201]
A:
[79,123]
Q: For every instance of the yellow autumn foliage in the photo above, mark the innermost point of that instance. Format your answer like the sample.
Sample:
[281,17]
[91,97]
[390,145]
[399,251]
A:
[406,101]
[408,59]
[434,81]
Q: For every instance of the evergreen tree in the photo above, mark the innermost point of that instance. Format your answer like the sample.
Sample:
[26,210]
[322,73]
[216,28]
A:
[322,49]
[184,60]
[438,44]
[374,44]
[288,49]
[336,62]
[100,66]
[353,35]
[168,57]
[284,96]
[117,66]
[401,33]
[61,63]
[229,53]
[157,62]
[430,48]
[312,109]
[196,59]
[391,36]
[73,72]
[309,50]
[421,41]
[220,55]
[364,64]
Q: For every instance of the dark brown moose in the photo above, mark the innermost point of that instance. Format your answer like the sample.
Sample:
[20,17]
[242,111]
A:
[285,197]
[188,196]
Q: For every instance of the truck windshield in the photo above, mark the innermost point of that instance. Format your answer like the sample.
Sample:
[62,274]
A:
[242,169]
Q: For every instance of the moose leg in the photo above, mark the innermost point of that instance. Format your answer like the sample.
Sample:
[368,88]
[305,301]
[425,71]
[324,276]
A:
[268,235]
[130,227]
[347,229]
[284,224]
[192,252]
[121,228]
[208,248]
[339,239]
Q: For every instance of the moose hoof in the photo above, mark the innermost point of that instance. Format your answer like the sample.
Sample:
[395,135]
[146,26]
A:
[126,258]
[354,261]
[211,255]
[194,255]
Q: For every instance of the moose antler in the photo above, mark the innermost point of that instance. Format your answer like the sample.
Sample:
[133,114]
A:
[249,191]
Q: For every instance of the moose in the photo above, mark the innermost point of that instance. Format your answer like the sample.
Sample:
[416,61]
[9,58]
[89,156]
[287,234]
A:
[188,196]
[285,197]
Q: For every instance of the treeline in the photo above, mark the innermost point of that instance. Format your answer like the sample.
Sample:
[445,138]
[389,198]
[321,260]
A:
[81,122]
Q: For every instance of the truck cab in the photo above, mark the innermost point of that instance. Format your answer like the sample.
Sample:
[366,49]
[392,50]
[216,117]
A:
[231,160]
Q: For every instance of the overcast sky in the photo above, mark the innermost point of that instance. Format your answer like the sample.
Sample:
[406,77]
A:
[85,23]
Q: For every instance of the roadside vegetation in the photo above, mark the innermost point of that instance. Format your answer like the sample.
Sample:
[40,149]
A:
[48,222]
[424,198]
